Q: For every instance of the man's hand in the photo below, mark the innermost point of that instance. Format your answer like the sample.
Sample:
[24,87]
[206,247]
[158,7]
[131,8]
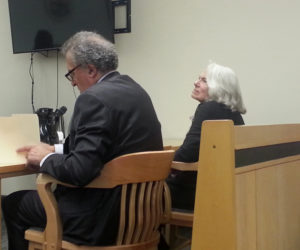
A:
[35,153]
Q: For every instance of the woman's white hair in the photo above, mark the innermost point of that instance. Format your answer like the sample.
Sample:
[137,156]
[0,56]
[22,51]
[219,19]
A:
[223,87]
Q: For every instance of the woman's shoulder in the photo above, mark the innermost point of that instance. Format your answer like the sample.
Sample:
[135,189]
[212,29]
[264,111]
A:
[211,105]
[213,110]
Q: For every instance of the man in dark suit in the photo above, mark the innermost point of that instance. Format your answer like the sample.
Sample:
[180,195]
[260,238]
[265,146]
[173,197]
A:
[113,115]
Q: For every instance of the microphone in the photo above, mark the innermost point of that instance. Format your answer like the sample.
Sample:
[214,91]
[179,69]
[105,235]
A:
[49,122]
[59,112]
[54,124]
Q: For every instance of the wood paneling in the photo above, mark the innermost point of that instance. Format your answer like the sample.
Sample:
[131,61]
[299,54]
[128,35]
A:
[289,205]
[267,208]
[253,207]
[246,211]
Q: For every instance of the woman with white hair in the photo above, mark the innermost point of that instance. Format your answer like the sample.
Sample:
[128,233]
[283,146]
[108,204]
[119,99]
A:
[218,92]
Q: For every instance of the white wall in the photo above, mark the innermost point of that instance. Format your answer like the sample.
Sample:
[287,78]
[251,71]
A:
[170,44]
[15,87]
[15,82]
[172,41]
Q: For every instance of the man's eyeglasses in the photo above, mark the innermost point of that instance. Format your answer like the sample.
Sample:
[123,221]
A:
[69,75]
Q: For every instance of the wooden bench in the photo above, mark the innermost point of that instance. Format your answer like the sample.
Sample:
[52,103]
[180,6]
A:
[248,188]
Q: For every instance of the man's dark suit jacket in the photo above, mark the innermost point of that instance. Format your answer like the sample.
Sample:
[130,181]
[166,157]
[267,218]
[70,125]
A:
[183,184]
[112,118]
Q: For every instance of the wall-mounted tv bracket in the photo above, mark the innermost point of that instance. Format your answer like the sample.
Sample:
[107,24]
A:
[127,5]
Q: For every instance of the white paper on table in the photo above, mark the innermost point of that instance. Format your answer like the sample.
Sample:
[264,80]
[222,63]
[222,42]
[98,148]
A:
[17,131]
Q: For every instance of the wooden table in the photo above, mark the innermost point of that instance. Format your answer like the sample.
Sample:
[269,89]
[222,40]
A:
[11,171]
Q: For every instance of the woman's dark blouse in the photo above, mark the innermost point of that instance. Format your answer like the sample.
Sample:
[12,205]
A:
[183,184]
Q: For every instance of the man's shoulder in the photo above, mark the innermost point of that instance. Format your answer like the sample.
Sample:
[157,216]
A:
[119,87]
[116,77]
[115,82]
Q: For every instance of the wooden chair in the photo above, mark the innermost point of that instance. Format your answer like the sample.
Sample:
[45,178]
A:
[180,218]
[248,187]
[140,217]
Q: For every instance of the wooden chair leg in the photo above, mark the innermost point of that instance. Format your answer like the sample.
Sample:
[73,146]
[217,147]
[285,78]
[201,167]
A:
[34,246]
[177,240]
[165,232]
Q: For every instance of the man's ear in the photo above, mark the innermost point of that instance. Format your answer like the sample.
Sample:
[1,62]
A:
[92,71]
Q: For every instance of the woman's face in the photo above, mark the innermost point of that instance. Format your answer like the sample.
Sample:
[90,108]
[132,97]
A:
[200,91]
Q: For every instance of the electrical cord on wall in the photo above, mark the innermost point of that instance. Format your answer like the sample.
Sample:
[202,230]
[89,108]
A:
[57,92]
[61,119]
[58,113]
[32,81]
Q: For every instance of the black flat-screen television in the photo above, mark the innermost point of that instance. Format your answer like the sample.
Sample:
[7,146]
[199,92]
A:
[39,25]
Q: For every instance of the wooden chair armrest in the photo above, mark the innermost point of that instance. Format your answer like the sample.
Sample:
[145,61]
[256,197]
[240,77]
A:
[45,179]
[181,166]
[183,218]
[122,170]
[53,231]
[185,166]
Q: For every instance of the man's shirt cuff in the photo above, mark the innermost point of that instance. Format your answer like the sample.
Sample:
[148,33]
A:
[59,149]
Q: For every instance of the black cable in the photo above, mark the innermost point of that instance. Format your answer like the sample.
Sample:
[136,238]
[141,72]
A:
[32,82]
[74,92]
[57,97]
[62,125]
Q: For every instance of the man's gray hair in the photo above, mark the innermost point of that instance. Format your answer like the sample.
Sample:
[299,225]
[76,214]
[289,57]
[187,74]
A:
[87,47]
[223,87]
